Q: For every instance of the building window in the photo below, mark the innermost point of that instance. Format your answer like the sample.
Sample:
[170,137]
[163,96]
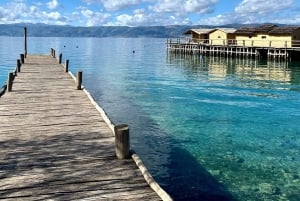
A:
[263,37]
[219,36]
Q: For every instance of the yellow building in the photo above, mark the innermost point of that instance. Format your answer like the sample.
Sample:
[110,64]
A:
[268,36]
[261,36]
[199,35]
[222,36]
[285,36]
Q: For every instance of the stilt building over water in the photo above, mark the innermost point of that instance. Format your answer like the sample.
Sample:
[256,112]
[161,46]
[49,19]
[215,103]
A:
[266,41]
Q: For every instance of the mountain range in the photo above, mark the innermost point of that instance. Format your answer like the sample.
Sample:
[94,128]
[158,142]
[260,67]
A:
[43,30]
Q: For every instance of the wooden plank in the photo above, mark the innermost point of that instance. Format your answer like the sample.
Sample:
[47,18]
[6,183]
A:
[55,144]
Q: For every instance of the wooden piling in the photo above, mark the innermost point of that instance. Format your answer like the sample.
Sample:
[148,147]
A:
[18,65]
[79,80]
[25,42]
[67,65]
[60,58]
[10,81]
[53,52]
[22,57]
[122,144]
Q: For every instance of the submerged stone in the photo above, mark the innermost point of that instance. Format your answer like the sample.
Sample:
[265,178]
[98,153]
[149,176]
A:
[268,189]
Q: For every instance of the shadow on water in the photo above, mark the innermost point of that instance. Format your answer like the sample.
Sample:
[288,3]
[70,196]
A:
[186,173]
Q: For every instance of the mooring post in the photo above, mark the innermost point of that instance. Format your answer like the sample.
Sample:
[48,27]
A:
[122,143]
[10,81]
[22,56]
[19,65]
[53,52]
[67,65]
[25,42]
[79,80]
[60,58]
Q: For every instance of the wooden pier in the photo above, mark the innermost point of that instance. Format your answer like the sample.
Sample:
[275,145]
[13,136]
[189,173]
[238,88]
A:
[57,144]
[231,48]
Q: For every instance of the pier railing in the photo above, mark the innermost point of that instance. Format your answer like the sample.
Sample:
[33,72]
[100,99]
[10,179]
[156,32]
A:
[238,43]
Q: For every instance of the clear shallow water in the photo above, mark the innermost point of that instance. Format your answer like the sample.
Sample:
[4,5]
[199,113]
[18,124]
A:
[207,129]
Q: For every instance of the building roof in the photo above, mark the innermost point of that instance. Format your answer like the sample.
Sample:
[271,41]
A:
[288,30]
[267,29]
[227,30]
[199,31]
[246,31]
[264,29]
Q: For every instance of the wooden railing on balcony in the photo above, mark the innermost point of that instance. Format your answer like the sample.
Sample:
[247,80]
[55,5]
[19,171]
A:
[240,43]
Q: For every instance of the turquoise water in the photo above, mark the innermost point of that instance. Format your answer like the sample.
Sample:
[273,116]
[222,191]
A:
[207,128]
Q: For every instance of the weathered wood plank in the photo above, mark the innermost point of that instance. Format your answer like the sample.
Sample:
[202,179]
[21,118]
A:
[55,145]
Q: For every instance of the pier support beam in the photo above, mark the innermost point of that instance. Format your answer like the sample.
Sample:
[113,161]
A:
[53,52]
[19,65]
[25,42]
[79,80]
[22,58]
[10,81]
[60,58]
[122,141]
[67,65]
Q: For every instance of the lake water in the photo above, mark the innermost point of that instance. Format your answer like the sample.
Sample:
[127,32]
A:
[207,128]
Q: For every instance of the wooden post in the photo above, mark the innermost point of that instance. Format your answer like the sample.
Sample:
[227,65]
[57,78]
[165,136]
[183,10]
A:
[60,58]
[79,80]
[67,65]
[25,42]
[53,52]
[10,81]
[122,143]
[22,58]
[19,65]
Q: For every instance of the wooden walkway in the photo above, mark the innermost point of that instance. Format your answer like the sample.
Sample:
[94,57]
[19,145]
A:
[54,144]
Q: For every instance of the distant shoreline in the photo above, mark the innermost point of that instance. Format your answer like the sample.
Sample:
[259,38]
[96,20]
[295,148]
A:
[44,30]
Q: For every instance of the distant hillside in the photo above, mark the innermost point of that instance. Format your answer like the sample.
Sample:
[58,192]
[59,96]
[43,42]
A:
[42,30]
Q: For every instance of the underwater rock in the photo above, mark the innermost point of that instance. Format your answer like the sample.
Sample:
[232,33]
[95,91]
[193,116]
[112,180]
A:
[215,172]
[269,189]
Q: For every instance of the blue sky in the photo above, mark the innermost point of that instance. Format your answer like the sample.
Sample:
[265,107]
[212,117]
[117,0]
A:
[149,12]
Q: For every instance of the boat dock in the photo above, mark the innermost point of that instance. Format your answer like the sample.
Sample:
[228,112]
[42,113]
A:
[57,143]
[231,48]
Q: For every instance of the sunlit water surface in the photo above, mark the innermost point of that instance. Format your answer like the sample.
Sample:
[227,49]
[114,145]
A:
[207,128]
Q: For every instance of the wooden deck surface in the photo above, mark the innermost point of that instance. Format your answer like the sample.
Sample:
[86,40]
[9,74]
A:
[54,145]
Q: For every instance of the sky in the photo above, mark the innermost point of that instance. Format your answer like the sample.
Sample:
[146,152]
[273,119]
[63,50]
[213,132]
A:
[149,12]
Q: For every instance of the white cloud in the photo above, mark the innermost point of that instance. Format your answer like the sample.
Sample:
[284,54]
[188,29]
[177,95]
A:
[17,11]
[53,4]
[262,7]
[13,11]
[257,11]
[54,15]
[118,5]
[141,18]
[184,7]
[93,18]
